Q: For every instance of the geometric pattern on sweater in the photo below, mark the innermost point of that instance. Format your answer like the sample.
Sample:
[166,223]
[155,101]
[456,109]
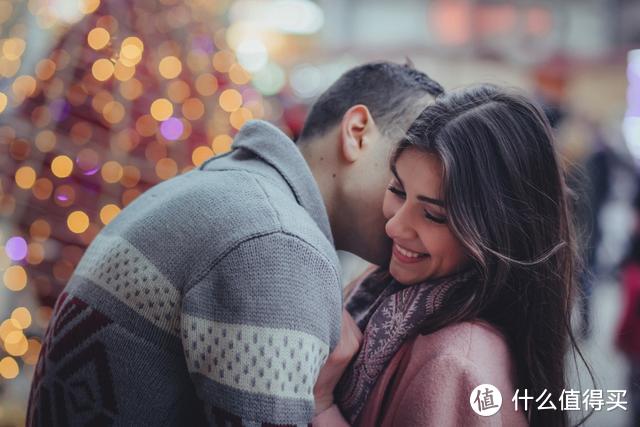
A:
[122,270]
[81,383]
[264,360]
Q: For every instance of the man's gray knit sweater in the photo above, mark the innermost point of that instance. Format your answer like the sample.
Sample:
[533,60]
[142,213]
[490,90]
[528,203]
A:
[214,297]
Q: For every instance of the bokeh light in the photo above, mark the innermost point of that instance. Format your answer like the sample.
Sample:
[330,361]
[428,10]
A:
[223,60]
[35,253]
[270,79]
[166,168]
[201,154]
[161,109]
[15,278]
[230,100]
[206,84]
[25,177]
[239,75]
[45,141]
[252,54]
[170,67]
[22,316]
[108,213]
[23,86]
[98,38]
[64,195]
[123,72]
[31,356]
[7,326]
[113,112]
[171,128]
[78,222]
[178,91]
[131,89]
[16,248]
[9,368]
[42,189]
[62,166]
[40,230]
[111,172]
[16,343]
[131,51]
[13,48]
[221,144]
[45,69]
[238,117]
[193,109]
[130,176]
[3,102]
[102,69]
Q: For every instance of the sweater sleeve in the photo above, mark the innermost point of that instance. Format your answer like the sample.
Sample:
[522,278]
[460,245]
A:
[439,396]
[257,328]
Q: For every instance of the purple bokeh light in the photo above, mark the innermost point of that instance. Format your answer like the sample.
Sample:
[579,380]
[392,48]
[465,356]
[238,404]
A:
[91,171]
[16,248]
[171,128]
[249,94]
[59,109]
[204,44]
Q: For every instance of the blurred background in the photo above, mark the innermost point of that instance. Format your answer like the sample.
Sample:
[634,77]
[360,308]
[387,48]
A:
[101,100]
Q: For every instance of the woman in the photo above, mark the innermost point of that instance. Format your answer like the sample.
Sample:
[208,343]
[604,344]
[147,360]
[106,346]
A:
[482,274]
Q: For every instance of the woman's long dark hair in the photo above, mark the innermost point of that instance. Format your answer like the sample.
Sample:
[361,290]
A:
[507,201]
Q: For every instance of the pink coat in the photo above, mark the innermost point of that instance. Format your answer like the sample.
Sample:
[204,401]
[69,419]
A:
[429,381]
[628,333]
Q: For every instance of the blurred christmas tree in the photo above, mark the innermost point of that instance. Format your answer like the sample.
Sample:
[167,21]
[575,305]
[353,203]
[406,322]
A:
[129,93]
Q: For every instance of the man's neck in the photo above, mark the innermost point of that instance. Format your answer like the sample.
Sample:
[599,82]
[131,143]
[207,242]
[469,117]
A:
[323,171]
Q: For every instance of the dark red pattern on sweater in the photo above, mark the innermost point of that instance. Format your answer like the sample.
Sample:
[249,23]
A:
[81,386]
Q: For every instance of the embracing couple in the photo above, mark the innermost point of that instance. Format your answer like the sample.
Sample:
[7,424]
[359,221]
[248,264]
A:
[216,298]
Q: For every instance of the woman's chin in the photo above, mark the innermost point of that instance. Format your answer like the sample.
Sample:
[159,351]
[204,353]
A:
[404,277]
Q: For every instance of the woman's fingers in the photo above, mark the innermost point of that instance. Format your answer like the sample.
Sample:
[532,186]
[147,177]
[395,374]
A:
[338,360]
[350,340]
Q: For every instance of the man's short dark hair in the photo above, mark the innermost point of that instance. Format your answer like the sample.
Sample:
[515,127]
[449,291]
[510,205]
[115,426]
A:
[392,93]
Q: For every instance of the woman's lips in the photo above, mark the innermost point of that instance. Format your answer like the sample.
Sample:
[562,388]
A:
[407,256]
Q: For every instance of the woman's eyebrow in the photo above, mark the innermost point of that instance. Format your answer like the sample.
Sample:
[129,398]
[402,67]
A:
[430,200]
[421,198]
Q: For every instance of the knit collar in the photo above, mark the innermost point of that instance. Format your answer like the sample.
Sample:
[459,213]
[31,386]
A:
[275,148]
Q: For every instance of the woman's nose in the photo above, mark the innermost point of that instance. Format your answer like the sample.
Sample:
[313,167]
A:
[399,225]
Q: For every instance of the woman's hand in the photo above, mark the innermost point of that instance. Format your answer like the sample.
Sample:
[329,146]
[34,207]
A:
[338,360]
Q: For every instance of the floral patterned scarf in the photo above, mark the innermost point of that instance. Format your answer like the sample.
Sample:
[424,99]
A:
[388,313]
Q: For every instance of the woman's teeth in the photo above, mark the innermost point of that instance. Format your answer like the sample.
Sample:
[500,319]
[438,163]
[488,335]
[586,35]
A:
[408,253]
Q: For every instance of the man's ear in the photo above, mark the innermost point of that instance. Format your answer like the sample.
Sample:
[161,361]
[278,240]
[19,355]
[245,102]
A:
[356,124]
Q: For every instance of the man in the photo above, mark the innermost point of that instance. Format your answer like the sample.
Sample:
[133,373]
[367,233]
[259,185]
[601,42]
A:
[215,296]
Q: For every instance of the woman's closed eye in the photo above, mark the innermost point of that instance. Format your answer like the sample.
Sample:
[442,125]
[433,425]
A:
[398,192]
[428,215]
[434,218]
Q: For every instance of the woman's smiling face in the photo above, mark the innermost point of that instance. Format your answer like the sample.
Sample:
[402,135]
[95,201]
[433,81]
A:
[424,246]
